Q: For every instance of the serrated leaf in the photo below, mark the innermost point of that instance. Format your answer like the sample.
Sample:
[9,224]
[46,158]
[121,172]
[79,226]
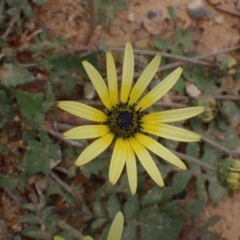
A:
[35,233]
[230,108]
[129,231]
[113,206]
[193,208]
[13,180]
[161,44]
[180,180]
[14,74]
[27,10]
[155,225]
[37,159]
[172,14]
[201,189]
[193,151]
[172,209]
[216,192]
[131,208]
[31,105]
[98,208]
[94,167]
[156,195]
[96,224]
[29,218]
[106,189]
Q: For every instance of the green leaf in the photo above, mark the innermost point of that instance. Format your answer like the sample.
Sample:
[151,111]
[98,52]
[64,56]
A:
[172,209]
[155,225]
[31,105]
[172,14]
[129,231]
[29,218]
[98,208]
[14,74]
[113,206]
[69,85]
[13,180]
[13,3]
[94,167]
[194,208]
[180,86]
[201,189]
[193,151]
[106,189]
[40,2]
[157,195]
[216,192]
[230,108]
[26,7]
[161,44]
[180,180]
[96,224]
[37,159]
[34,232]
[131,208]
[211,156]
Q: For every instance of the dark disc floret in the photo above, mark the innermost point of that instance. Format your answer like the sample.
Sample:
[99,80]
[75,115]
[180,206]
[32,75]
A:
[123,120]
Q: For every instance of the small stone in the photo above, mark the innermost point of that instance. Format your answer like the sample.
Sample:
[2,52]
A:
[196,10]
[219,19]
[152,14]
[131,17]
[192,90]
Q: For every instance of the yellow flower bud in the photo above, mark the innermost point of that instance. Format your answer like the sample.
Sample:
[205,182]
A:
[228,173]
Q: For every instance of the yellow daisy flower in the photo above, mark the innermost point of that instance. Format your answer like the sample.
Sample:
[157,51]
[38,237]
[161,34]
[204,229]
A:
[126,121]
[115,232]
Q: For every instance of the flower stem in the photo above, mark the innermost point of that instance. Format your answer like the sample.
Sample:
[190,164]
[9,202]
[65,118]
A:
[194,160]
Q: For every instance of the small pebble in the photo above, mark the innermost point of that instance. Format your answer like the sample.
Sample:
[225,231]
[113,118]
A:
[196,10]
[151,14]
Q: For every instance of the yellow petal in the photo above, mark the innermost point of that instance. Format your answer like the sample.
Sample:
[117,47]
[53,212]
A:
[115,232]
[112,79]
[147,161]
[161,89]
[82,110]
[160,150]
[172,115]
[86,132]
[94,149]
[58,238]
[144,79]
[117,161]
[131,168]
[87,238]
[128,70]
[171,132]
[98,84]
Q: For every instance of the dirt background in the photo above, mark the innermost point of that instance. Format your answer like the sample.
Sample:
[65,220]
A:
[74,20]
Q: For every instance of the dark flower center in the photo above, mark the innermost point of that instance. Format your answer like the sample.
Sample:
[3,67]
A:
[124,121]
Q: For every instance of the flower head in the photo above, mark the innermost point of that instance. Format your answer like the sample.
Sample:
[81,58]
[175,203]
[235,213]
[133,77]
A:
[115,232]
[228,173]
[127,122]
